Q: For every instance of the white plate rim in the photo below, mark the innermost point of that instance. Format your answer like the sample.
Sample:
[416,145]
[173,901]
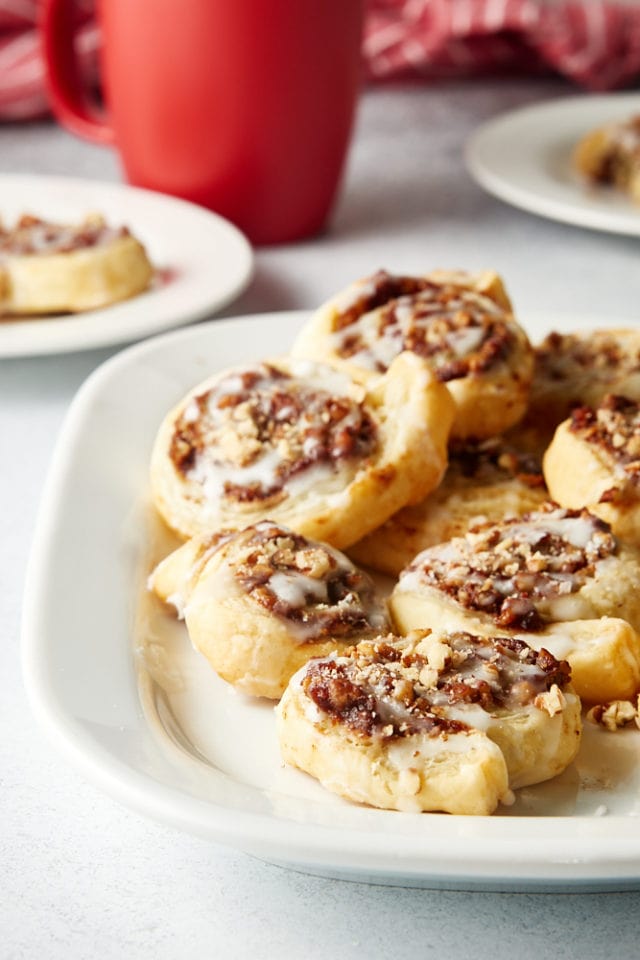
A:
[490,853]
[527,185]
[173,231]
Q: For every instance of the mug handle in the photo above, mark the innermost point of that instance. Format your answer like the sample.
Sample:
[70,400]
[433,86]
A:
[67,93]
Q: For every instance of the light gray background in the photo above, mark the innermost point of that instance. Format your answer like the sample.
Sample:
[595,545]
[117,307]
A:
[82,877]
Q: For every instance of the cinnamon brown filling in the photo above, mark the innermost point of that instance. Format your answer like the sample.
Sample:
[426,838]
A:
[614,426]
[32,236]
[566,357]
[496,461]
[305,582]
[622,155]
[459,331]
[390,689]
[379,289]
[511,570]
[264,414]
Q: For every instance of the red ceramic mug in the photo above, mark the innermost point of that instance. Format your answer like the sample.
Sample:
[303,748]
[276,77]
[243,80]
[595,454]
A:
[243,106]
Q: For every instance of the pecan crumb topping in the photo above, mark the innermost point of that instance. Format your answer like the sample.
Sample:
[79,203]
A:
[578,363]
[392,688]
[32,235]
[515,570]
[311,585]
[615,714]
[459,331]
[613,426]
[621,156]
[258,428]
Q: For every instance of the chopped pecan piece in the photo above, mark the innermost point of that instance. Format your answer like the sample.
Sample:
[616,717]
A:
[258,429]
[459,330]
[390,688]
[514,569]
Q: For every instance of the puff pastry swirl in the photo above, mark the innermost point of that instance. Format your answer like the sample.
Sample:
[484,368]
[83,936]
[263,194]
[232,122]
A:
[594,461]
[576,369]
[303,444]
[462,324]
[535,575]
[610,155]
[258,603]
[61,268]
[446,721]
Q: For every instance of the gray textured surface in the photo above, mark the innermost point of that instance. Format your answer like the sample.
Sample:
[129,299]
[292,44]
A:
[81,877]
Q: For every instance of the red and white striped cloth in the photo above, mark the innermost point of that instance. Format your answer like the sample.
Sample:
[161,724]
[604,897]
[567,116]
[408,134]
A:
[595,43]
[22,78]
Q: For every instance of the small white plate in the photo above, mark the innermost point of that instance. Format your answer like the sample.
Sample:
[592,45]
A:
[203,262]
[524,158]
[145,718]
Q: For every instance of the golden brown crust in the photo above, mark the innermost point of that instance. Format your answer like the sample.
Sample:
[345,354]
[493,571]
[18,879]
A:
[548,578]
[412,723]
[604,655]
[304,444]
[576,369]
[461,323]
[488,480]
[610,156]
[260,602]
[594,461]
[50,268]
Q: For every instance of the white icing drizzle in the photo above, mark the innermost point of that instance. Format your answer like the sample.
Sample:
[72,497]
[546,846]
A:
[560,645]
[470,661]
[380,344]
[464,341]
[404,754]
[230,458]
[350,297]
[300,591]
[291,581]
[569,607]
[295,589]
[509,559]
[626,135]
[212,475]
[578,531]
[40,237]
